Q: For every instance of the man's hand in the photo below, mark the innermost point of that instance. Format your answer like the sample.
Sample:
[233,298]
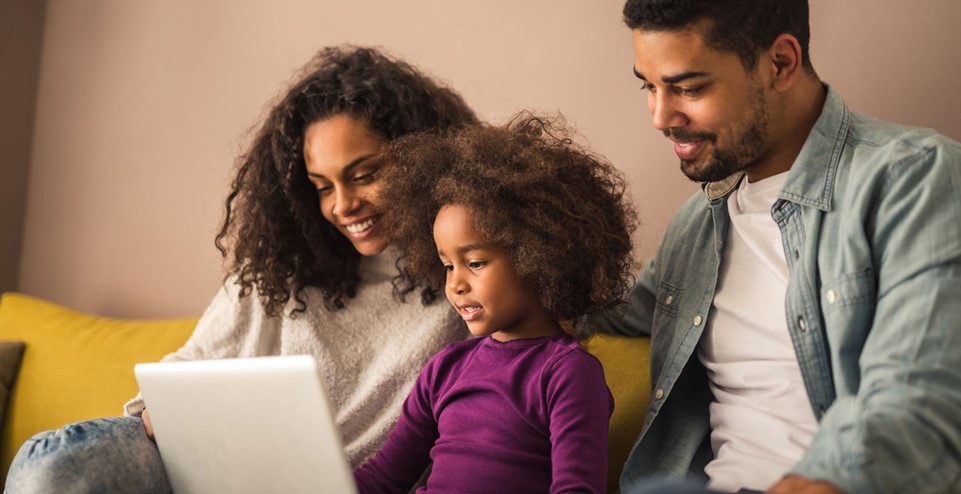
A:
[146,423]
[795,484]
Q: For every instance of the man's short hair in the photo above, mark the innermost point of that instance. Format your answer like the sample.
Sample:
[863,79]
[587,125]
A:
[743,27]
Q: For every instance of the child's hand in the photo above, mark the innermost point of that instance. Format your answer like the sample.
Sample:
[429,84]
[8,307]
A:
[146,423]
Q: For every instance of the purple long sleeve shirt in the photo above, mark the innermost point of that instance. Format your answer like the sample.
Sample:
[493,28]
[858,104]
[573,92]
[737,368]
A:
[524,416]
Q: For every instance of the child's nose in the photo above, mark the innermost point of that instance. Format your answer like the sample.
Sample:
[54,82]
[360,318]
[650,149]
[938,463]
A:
[457,285]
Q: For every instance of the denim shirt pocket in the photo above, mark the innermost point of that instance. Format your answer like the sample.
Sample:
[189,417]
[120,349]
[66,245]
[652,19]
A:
[849,295]
[848,305]
[668,297]
[665,318]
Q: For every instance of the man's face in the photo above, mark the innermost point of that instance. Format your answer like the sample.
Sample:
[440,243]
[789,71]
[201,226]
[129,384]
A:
[704,101]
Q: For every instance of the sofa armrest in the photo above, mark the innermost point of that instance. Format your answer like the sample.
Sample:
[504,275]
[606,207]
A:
[75,366]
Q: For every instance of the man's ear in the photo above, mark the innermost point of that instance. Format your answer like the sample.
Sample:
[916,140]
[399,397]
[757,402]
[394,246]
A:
[784,57]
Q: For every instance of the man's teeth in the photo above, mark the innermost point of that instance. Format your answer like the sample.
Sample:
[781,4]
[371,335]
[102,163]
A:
[359,227]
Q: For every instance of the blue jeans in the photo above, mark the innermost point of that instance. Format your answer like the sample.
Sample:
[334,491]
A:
[110,454]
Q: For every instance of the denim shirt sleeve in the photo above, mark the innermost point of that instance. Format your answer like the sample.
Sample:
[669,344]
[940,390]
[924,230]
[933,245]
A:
[900,429]
[636,321]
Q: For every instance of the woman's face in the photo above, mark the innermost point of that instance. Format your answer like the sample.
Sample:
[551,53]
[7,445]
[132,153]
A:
[341,155]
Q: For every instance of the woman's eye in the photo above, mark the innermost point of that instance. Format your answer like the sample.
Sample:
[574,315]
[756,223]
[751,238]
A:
[324,190]
[365,178]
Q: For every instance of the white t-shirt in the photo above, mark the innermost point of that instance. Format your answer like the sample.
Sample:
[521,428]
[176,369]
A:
[761,419]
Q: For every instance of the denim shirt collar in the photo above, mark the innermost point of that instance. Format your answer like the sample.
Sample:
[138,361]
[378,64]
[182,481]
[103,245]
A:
[811,179]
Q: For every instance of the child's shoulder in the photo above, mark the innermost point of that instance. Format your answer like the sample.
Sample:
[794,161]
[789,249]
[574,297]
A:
[569,350]
[568,359]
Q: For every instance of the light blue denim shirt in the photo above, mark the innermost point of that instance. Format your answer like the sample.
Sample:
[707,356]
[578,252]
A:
[870,220]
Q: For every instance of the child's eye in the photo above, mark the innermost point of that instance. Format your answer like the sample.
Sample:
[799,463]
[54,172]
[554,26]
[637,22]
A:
[476,264]
[448,267]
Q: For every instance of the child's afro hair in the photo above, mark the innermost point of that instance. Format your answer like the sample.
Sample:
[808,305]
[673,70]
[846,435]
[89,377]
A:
[559,210]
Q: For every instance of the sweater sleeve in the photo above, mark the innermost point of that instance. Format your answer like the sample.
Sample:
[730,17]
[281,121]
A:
[406,454]
[224,331]
[580,407]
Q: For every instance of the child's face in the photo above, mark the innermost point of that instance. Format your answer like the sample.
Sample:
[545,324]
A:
[482,284]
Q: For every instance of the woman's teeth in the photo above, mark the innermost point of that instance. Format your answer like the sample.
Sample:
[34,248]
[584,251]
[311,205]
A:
[360,227]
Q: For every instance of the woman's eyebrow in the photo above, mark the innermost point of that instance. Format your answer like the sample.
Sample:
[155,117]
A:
[353,164]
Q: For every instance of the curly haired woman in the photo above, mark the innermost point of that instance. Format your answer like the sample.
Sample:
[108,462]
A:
[309,271]
[530,230]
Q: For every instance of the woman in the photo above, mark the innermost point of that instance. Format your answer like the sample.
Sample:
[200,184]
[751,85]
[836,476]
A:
[309,271]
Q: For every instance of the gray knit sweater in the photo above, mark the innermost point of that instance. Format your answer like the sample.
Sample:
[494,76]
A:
[370,352]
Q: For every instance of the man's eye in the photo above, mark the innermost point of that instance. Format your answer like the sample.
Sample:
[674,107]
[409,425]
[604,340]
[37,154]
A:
[690,91]
[647,86]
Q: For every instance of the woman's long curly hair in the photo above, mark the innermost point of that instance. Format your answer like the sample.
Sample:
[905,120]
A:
[560,211]
[274,237]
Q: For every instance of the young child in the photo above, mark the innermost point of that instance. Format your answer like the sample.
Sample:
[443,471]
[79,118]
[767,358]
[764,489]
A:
[530,230]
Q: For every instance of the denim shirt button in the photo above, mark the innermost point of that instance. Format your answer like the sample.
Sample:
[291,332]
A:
[831,296]
[669,300]
[697,320]
[801,324]
[659,394]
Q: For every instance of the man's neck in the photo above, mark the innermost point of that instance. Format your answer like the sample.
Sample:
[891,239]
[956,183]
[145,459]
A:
[796,116]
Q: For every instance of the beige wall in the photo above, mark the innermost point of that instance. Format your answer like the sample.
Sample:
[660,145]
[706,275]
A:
[143,106]
[21,29]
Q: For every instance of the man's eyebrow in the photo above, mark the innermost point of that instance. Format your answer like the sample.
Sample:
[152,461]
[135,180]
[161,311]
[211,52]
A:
[672,79]
[353,164]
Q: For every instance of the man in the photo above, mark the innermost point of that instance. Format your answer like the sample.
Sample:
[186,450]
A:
[803,307]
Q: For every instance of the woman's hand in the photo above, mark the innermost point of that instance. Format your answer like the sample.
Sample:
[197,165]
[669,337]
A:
[146,423]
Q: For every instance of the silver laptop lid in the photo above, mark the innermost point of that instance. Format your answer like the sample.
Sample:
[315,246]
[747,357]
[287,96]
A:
[245,425]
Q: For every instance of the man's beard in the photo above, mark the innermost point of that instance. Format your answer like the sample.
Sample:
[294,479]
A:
[725,162]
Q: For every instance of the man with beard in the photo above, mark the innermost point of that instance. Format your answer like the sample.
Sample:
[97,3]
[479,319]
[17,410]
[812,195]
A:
[803,307]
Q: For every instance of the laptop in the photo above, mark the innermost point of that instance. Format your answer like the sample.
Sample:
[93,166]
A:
[245,425]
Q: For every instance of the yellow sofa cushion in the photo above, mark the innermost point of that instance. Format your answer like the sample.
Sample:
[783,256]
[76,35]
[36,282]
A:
[75,366]
[626,363]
